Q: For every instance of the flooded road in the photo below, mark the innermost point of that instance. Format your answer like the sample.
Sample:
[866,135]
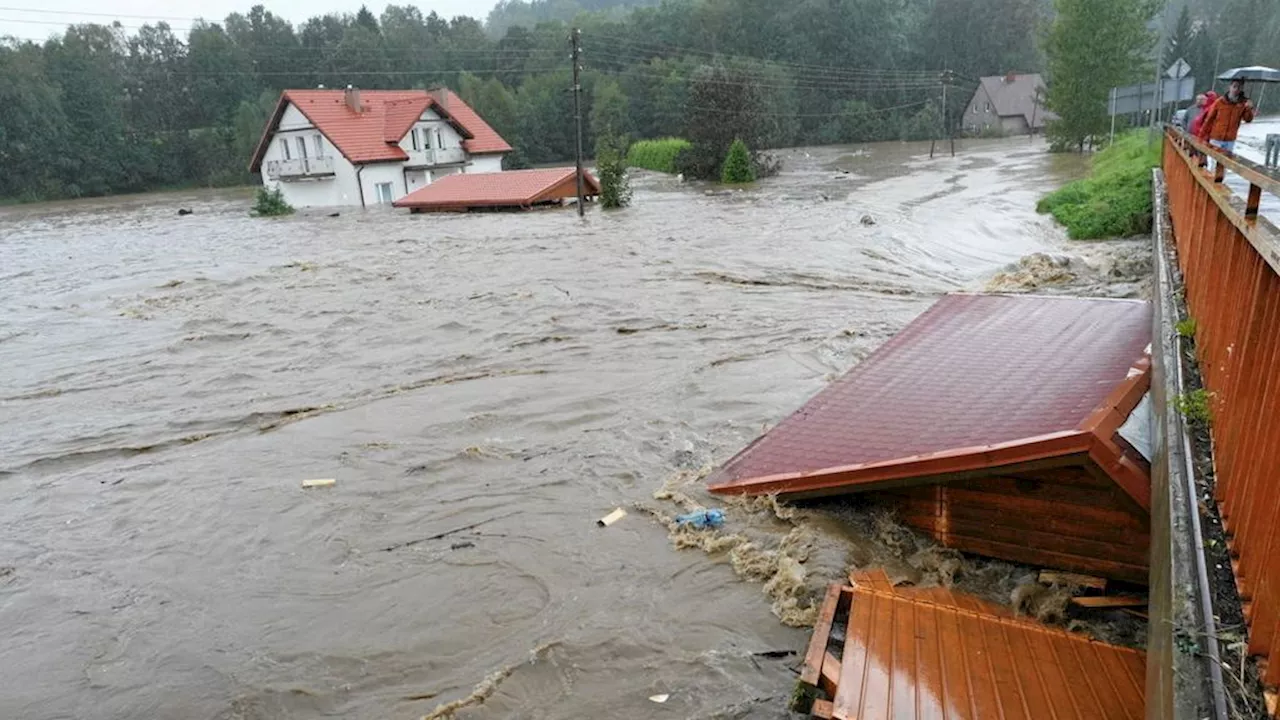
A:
[496,382]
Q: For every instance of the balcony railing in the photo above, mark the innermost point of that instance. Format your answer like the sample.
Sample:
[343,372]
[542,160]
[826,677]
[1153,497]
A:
[436,156]
[300,168]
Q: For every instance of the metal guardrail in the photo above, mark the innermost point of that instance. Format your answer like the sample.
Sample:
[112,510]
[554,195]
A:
[300,168]
[1230,261]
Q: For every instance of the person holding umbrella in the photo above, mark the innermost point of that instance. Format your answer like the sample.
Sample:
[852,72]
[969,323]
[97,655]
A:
[1221,122]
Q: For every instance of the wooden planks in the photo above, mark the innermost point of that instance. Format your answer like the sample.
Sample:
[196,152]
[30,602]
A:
[929,653]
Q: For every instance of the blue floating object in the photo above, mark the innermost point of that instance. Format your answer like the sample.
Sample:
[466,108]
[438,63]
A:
[702,519]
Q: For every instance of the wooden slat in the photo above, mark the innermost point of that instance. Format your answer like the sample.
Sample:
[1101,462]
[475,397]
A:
[1110,601]
[823,709]
[812,670]
[1051,577]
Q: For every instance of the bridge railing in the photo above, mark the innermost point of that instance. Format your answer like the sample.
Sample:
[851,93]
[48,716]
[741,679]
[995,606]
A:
[1230,262]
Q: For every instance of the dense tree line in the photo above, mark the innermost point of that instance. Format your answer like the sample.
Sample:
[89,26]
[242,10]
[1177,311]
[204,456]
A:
[107,108]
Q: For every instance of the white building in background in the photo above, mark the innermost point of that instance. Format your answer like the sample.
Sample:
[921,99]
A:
[330,148]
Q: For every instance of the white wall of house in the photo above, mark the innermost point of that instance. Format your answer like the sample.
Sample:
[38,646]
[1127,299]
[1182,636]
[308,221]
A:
[432,141]
[380,178]
[327,191]
[485,164]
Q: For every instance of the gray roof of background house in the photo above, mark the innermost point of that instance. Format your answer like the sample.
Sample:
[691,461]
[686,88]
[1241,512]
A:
[1017,97]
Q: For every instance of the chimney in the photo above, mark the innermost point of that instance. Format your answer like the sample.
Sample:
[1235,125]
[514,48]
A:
[441,96]
[1010,78]
[352,97]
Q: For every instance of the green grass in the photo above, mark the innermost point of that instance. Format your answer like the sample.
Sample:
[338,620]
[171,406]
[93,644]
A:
[1194,406]
[659,155]
[1115,200]
[1186,328]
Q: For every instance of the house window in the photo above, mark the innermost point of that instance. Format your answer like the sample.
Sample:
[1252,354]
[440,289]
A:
[319,146]
[384,192]
[414,134]
[988,107]
[302,147]
[439,140]
[284,148]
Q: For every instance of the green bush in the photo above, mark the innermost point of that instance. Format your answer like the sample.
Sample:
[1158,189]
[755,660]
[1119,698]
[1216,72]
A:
[270,203]
[615,189]
[657,155]
[1115,200]
[738,168]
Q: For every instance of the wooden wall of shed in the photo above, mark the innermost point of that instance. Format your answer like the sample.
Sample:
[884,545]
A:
[1066,518]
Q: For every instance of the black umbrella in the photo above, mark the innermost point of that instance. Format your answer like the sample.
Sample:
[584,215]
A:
[1253,73]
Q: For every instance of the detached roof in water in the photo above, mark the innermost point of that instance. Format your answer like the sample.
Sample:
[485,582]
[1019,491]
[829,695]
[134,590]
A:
[976,382]
[513,188]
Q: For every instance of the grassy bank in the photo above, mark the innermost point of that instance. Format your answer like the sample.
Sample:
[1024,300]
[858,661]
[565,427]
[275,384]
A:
[1115,200]
[659,155]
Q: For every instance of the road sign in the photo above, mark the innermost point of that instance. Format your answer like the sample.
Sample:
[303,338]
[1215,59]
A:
[1178,70]
[1137,98]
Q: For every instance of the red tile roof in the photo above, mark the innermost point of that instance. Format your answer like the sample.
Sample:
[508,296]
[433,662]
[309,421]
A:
[909,653]
[515,188]
[373,135]
[977,381]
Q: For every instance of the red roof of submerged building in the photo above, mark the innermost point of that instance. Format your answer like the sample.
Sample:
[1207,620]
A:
[907,652]
[373,134]
[514,188]
[977,381]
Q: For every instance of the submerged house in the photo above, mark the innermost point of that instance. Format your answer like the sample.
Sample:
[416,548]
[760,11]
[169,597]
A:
[1007,104]
[326,148]
[1009,426]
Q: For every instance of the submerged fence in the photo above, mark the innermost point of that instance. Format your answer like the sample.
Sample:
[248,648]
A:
[1230,261]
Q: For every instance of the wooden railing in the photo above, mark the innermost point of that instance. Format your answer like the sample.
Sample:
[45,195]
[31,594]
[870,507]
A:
[1230,262]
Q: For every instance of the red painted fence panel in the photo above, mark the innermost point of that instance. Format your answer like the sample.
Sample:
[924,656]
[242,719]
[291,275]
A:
[1230,260]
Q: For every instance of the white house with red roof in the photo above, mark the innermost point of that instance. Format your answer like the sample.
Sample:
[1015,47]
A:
[330,148]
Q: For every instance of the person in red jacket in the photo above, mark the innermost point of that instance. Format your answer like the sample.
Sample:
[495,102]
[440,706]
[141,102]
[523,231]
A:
[1221,124]
[1203,103]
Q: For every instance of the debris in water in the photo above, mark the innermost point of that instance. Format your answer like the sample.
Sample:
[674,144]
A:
[868,220]
[702,519]
[660,698]
[612,518]
[319,483]
[335,214]
[184,211]
[462,545]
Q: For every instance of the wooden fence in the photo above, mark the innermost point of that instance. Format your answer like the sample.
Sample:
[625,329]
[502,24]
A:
[1230,261]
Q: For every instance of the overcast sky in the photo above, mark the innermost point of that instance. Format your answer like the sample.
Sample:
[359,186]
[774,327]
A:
[40,19]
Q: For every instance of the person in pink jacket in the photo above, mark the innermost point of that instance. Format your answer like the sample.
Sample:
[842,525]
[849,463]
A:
[1204,102]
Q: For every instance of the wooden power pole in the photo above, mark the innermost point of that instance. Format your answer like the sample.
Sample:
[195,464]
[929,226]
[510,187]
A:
[576,39]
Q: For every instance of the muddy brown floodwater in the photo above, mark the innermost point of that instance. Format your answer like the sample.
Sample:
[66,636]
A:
[167,382]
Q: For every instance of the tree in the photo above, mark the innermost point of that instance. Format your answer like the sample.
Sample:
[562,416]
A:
[724,105]
[737,165]
[1093,46]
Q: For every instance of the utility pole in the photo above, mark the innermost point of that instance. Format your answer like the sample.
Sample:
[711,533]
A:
[576,40]
[947,77]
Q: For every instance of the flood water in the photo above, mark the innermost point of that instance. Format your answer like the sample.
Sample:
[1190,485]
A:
[167,383]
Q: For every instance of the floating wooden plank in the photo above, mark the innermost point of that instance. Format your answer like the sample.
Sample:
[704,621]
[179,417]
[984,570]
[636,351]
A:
[1110,601]
[1054,577]
[817,652]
